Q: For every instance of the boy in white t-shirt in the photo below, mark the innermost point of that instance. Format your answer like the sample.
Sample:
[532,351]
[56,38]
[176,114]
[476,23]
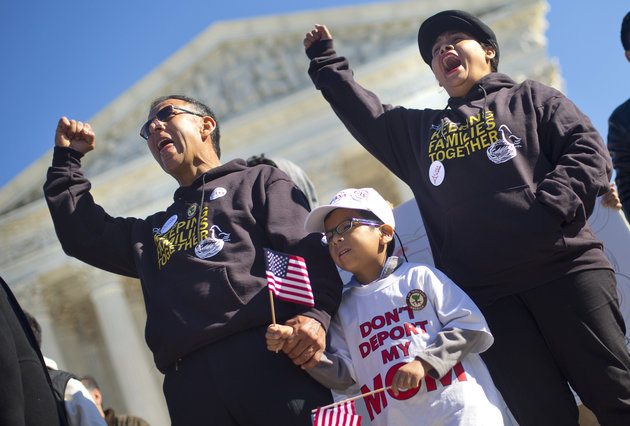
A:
[404,325]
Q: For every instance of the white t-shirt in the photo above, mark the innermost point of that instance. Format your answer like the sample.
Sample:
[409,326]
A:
[383,325]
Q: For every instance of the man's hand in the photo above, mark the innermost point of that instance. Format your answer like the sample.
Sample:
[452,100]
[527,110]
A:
[409,375]
[276,335]
[74,134]
[306,346]
[611,198]
[319,33]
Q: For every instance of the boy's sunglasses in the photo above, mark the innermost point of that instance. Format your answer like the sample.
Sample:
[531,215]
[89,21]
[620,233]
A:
[164,115]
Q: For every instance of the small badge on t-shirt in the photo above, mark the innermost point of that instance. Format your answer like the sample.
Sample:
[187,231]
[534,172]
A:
[436,173]
[416,299]
[218,193]
[168,224]
[192,209]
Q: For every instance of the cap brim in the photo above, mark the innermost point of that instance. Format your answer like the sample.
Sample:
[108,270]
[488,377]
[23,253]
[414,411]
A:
[315,220]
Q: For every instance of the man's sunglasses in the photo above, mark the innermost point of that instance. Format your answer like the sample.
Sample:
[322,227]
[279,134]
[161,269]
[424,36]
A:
[164,115]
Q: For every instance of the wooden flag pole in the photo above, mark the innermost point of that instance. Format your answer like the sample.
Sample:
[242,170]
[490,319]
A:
[363,395]
[273,312]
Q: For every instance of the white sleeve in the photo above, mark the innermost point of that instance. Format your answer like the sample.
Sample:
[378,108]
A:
[335,369]
[80,407]
[464,329]
[454,308]
[450,346]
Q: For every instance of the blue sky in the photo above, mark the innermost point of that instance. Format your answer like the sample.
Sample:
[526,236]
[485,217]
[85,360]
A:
[74,57]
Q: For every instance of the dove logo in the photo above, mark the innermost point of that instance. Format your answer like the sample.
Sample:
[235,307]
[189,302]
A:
[213,244]
[504,149]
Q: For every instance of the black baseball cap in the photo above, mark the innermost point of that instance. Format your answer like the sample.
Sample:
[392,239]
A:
[450,20]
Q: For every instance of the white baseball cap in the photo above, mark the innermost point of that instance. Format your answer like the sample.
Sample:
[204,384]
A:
[351,198]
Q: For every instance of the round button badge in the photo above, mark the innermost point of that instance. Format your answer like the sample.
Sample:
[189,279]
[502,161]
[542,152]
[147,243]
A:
[436,173]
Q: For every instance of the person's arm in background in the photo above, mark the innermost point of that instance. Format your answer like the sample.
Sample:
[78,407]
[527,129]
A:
[619,148]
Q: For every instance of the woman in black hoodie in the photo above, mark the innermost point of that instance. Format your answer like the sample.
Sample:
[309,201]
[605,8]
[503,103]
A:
[505,176]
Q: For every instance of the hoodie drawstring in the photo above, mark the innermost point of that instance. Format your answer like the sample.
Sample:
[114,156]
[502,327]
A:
[442,117]
[485,104]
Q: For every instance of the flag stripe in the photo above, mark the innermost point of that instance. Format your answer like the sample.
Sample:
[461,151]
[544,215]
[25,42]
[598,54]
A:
[298,278]
[288,287]
[281,284]
[338,415]
[290,295]
[307,300]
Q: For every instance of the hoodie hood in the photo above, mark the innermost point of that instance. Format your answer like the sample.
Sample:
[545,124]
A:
[491,83]
[237,165]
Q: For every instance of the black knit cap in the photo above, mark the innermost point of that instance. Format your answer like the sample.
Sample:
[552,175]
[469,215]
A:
[450,20]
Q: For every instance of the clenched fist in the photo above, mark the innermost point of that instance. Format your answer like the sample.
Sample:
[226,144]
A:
[74,134]
[319,33]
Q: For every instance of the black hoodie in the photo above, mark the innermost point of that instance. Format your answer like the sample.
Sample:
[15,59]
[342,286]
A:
[505,177]
[195,298]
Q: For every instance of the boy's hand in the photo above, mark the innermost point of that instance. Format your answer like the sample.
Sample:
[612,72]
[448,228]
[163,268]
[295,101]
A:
[319,33]
[276,335]
[409,375]
[74,134]
[306,346]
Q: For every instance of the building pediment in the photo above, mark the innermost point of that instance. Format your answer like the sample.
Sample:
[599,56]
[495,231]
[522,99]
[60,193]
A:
[241,66]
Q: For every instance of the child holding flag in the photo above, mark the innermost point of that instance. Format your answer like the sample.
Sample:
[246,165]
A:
[404,328]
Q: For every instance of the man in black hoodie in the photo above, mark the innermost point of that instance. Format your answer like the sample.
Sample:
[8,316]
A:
[505,177]
[619,133]
[202,268]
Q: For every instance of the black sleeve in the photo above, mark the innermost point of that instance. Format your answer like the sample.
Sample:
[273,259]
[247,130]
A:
[286,211]
[84,229]
[384,130]
[619,148]
[582,166]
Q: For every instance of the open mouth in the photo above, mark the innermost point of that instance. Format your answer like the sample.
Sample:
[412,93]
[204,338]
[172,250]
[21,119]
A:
[163,144]
[450,62]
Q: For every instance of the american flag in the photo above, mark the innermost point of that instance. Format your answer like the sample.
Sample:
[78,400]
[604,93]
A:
[288,277]
[337,415]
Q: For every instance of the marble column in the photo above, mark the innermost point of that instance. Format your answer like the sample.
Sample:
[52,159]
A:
[126,348]
[32,300]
